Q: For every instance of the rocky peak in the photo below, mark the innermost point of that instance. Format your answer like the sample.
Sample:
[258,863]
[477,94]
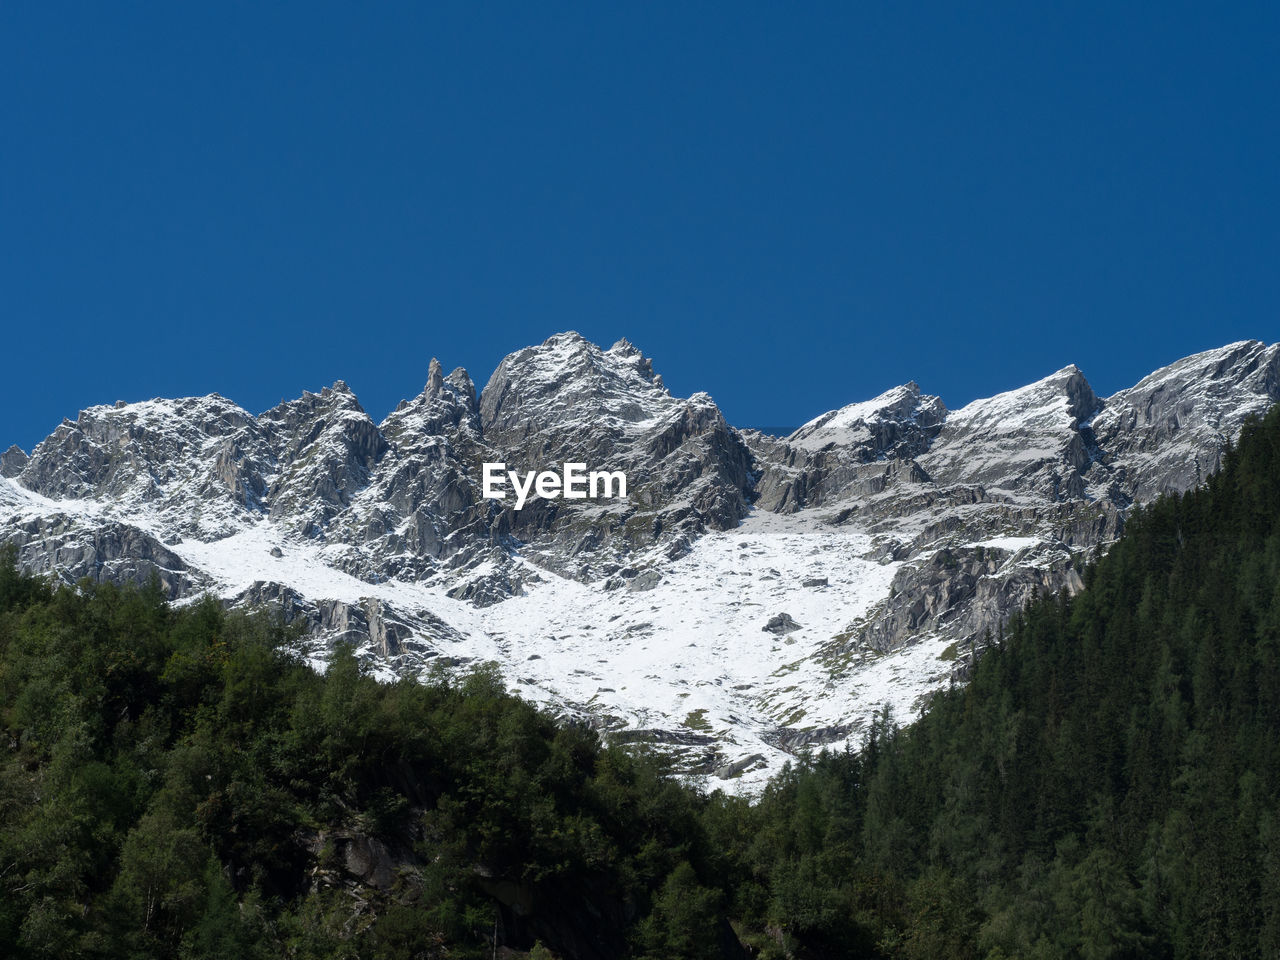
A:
[1196,387]
[338,396]
[463,387]
[900,420]
[1082,402]
[832,456]
[567,382]
[12,461]
[325,446]
[1245,361]
[626,350]
[1062,398]
[135,449]
[446,407]
[435,379]
[1168,431]
[1003,440]
[913,527]
[567,400]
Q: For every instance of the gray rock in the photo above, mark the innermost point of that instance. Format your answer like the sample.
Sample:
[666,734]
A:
[781,623]
[1168,433]
[794,741]
[326,449]
[1026,439]
[735,769]
[644,581]
[848,452]
[985,506]
[12,461]
[111,552]
[567,400]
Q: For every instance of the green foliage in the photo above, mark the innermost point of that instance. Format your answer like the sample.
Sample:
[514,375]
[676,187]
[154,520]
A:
[1107,785]
[684,922]
[174,784]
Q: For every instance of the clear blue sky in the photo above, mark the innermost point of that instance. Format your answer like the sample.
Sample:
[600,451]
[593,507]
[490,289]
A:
[791,206]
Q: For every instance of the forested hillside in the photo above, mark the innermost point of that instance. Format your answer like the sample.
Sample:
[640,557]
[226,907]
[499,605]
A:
[1108,784]
[173,785]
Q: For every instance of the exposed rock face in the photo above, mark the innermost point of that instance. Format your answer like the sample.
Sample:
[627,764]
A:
[568,401]
[883,526]
[899,423]
[1050,465]
[781,623]
[12,461]
[196,464]
[112,552]
[423,504]
[1027,439]
[404,497]
[1168,432]
[326,450]
[964,592]
[850,451]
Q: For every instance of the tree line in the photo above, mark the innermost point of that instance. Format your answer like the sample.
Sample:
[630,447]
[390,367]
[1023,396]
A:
[174,784]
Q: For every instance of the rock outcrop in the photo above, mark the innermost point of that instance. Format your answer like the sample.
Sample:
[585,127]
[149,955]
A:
[12,461]
[879,527]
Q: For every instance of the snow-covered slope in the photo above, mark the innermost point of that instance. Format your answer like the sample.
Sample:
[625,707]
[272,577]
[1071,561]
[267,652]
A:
[900,422]
[752,595]
[1167,432]
[1025,437]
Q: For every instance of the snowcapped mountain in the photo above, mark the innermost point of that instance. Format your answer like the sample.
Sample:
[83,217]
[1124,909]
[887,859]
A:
[751,594]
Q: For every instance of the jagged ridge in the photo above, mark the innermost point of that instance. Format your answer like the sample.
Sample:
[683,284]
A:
[898,527]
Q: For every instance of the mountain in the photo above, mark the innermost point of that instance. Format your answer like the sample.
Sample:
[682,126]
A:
[751,595]
[1107,784]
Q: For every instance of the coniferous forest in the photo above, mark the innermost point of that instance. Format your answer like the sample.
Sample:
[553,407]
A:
[173,784]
